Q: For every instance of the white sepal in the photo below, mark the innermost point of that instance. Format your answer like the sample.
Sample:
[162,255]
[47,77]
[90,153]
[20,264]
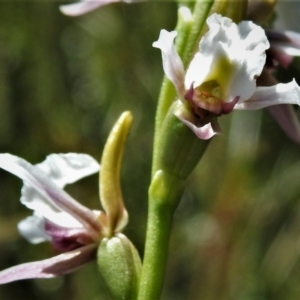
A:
[282,93]
[68,168]
[172,63]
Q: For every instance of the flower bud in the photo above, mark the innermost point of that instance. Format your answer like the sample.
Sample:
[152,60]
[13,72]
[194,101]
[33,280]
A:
[120,266]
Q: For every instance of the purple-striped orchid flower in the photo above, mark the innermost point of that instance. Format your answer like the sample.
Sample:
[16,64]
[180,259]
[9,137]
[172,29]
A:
[86,6]
[222,75]
[69,226]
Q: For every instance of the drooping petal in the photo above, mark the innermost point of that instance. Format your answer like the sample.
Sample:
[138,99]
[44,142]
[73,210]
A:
[286,118]
[67,168]
[202,131]
[172,63]
[282,93]
[52,267]
[231,56]
[53,199]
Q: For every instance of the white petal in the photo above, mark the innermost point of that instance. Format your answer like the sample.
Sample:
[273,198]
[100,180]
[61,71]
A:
[282,93]
[67,168]
[36,200]
[46,198]
[172,63]
[33,229]
[230,54]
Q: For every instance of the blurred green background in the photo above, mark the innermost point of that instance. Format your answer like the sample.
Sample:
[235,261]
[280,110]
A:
[63,83]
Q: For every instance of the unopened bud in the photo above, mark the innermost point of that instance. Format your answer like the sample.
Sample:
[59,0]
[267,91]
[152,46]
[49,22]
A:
[120,266]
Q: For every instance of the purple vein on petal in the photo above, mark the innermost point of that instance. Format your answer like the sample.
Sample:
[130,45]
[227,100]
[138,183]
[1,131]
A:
[52,267]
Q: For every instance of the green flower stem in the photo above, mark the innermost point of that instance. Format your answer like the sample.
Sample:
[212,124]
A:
[164,194]
[156,251]
[179,153]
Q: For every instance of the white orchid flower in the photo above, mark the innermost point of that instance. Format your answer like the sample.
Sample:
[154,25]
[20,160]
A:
[57,217]
[222,74]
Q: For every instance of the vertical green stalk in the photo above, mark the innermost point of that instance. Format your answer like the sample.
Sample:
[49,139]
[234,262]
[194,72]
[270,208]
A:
[156,251]
[164,194]
[179,152]
[176,148]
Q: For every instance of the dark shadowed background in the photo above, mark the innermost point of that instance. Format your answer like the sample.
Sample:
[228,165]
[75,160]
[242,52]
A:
[64,82]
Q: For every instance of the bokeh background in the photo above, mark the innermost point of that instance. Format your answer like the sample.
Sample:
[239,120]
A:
[63,83]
